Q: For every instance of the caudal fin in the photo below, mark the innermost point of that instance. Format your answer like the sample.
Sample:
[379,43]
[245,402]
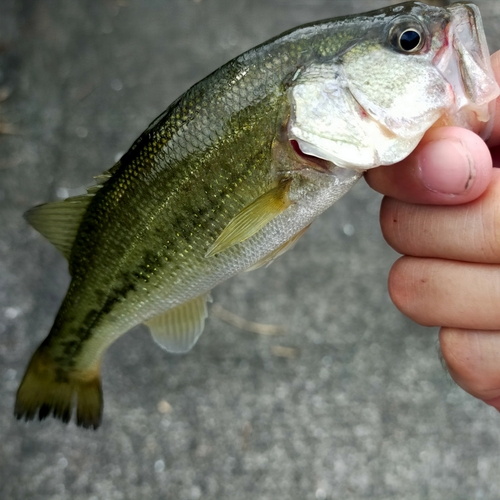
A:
[46,389]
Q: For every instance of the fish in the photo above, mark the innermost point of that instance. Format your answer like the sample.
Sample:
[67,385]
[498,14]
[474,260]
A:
[234,172]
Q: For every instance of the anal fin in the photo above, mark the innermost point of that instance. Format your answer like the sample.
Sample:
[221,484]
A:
[253,218]
[177,330]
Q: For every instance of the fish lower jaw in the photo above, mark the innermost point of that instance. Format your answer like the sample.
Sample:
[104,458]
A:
[484,119]
[355,157]
[359,148]
[318,163]
[316,151]
[478,119]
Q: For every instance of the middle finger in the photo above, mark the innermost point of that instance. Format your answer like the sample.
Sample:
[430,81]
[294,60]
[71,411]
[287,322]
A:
[435,292]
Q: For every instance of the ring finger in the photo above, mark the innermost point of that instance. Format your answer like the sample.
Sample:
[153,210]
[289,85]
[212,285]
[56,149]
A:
[472,360]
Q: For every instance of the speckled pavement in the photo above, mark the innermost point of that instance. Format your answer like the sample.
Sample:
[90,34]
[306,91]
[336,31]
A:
[350,403]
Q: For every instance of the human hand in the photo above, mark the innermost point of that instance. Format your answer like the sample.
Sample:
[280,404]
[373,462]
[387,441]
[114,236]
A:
[442,212]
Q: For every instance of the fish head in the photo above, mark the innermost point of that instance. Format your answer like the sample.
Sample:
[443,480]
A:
[408,68]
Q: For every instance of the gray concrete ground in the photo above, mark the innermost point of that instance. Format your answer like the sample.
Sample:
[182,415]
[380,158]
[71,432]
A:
[358,406]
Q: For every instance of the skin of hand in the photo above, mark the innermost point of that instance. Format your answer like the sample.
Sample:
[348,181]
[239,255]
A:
[441,210]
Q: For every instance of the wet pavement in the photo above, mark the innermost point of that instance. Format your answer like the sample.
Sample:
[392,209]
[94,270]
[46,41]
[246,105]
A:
[351,402]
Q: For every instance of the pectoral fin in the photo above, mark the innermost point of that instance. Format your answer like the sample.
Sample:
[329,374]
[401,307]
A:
[178,329]
[288,245]
[253,218]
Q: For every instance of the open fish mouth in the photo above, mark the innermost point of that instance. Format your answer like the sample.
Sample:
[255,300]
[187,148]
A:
[465,63]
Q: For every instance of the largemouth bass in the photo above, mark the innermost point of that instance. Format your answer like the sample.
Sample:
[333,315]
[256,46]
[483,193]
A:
[235,171]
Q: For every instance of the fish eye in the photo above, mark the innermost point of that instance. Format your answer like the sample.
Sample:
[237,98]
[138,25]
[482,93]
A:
[407,39]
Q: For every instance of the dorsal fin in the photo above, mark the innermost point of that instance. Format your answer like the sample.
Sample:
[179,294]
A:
[59,221]
[101,179]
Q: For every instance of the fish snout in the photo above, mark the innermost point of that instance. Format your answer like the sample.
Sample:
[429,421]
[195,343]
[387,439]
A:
[464,61]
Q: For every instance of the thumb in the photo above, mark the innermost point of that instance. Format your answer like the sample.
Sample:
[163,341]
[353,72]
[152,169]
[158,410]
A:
[451,166]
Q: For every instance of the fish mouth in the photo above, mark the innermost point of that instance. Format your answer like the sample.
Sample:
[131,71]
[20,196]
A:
[465,63]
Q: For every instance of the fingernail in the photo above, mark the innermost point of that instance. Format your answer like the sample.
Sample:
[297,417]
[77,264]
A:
[446,166]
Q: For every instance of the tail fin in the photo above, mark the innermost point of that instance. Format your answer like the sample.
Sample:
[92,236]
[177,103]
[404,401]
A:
[47,389]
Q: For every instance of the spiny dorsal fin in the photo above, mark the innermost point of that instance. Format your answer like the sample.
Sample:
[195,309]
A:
[288,245]
[253,218]
[95,188]
[178,329]
[101,179]
[59,221]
